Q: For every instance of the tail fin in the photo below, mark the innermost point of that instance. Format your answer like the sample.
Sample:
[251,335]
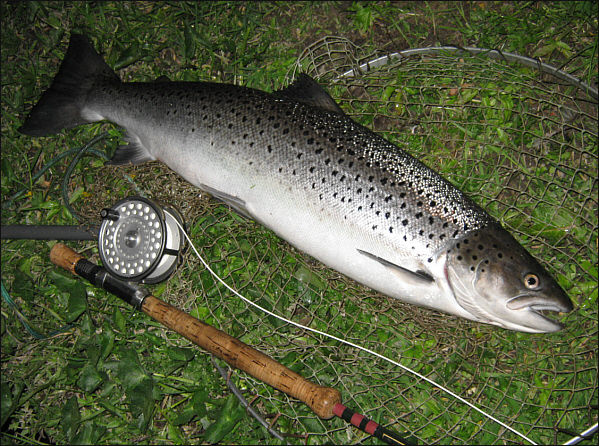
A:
[60,106]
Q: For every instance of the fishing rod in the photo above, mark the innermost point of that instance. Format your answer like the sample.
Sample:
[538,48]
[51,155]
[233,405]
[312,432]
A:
[323,401]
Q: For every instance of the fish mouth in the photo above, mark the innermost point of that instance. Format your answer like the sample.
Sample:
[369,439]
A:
[535,318]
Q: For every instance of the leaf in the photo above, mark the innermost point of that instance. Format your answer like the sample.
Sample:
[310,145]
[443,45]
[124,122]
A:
[10,400]
[77,294]
[89,379]
[231,414]
[130,371]
[90,433]
[181,354]
[77,304]
[70,417]
[22,286]
[189,41]
[129,56]
[185,416]
[106,342]
[141,403]
[119,320]
[198,401]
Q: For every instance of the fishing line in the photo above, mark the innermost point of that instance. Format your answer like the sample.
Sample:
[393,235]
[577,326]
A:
[351,344]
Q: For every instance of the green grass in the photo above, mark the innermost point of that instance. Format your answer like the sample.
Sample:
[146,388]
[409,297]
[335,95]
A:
[118,377]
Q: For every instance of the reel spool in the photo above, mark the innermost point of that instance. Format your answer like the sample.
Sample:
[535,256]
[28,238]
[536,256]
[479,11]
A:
[140,241]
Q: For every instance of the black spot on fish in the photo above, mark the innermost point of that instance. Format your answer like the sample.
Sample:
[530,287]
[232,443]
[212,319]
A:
[390,228]
[269,148]
[388,198]
[310,141]
[404,222]
[418,215]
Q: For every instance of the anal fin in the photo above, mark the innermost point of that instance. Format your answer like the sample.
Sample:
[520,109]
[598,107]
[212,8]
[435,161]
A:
[415,277]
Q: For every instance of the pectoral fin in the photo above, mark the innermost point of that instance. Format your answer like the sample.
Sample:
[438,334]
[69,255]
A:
[414,277]
[132,153]
[235,202]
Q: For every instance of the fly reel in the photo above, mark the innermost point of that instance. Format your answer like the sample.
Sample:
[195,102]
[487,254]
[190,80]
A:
[140,241]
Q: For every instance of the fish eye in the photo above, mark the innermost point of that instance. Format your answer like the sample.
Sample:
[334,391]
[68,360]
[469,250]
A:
[531,281]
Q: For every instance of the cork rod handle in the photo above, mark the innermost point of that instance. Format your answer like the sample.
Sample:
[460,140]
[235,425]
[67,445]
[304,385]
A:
[322,400]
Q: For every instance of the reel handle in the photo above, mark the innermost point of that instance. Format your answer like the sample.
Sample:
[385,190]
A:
[322,400]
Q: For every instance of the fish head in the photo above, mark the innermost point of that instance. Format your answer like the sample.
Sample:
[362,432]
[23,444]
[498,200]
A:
[497,281]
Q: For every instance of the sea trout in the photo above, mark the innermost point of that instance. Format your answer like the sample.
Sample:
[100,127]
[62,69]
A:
[295,162]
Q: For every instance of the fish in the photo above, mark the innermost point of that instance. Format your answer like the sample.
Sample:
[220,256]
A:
[295,162]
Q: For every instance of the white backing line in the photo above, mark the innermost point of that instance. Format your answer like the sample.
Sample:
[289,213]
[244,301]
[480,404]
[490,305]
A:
[351,344]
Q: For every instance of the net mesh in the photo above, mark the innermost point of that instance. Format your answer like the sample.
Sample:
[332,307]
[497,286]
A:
[522,144]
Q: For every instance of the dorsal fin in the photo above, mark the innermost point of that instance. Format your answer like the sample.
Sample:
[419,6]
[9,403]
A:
[307,91]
